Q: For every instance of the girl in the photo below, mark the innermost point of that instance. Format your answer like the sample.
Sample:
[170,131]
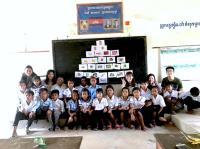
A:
[113,113]
[129,81]
[50,79]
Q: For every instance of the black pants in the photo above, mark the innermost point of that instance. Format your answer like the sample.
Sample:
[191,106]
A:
[113,119]
[147,113]
[21,116]
[191,104]
[98,119]
[156,109]
[85,119]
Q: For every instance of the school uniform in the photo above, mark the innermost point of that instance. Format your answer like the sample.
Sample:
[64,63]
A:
[60,89]
[145,94]
[79,88]
[27,107]
[92,91]
[192,102]
[72,106]
[36,90]
[68,93]
[85,117]
[99,117]
[21,96]
[138,103]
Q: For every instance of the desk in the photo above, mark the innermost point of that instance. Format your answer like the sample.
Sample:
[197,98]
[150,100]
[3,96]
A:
[169,141]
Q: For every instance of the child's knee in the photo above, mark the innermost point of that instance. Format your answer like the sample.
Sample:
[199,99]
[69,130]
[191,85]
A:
[49,112]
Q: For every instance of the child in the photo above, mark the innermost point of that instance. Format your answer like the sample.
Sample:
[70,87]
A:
[83,84]
[72,107]
[26,110]
[36,86]
[67,94]
[125,108]
[93,87]
[99,105]
[85,104]
[58,108]
[21,93]
[113,102]
[144,90]
[45,107]
[192,100]
[158,104]
[138,103]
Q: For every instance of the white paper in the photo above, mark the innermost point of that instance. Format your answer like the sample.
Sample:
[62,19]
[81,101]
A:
[121,59]
[103,78]
[91,66]
[100,42]
[112,74]
[93,60]
[89,53]
[114,52]
[120,74]
[82,66]
[98,53]
[100,66]
[116,66]
[110,59]
[78,74]
[85,60]
[124,65]
[102,48]
[94,48]
[101,59]
[108,66]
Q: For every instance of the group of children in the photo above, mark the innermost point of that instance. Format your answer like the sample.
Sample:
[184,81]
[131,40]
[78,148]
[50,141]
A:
[85,106]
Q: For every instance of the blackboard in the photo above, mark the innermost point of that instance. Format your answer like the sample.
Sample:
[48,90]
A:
[67,55]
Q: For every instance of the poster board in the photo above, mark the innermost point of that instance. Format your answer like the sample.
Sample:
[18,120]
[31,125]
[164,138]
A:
[100,18]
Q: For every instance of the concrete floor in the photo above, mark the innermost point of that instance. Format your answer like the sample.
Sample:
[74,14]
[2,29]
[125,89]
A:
[108,139]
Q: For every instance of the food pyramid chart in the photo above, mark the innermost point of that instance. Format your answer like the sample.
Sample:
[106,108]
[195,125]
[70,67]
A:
[102,63]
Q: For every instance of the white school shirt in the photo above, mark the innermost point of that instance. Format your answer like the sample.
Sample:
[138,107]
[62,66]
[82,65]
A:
[138,103]
[112,102]
[31,107]
[68,93]
[80,87]
[21,96]
[85,104]
[146,94]
[158,100]
[60,88]
[99,105]
[125,103]
[58,104]
[172,94]
[36,90]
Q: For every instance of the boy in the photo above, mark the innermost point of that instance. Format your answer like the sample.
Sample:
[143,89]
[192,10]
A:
[193,100]
[67,93]
[144,90]
[72,107]
[22,90]
[158,104]
[26,110]
[99,105]
[93,87]
[45,107]
[36,86]
[83,84]
[58,108]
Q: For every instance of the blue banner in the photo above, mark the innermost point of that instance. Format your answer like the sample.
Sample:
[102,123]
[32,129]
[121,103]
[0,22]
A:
[100,18]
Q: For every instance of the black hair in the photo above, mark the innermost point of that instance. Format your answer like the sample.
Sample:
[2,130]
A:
[154,86]
[36,78]
[55,92]
[22,81]
[47,79]
[109,86]
[99,90]
[29,92]
[83,77]
[135,88]
[125,88]
[151,74]
[169,83]
[43,90]
[194,91]
[133,80]
[85,90]
[29,67]
[75,91]
[169,67]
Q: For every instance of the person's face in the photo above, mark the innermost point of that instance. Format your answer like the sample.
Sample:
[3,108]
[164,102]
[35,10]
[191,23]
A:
[83,82]
[93,81]
[84,95]
[154,91]
[110,92]
[28,71]
[60,81]
[29,96]
[54,96]
[125,93]
[50,75]
[129,77]
[136,93]
[70,84]
[22,86]
[37,82]
[74,96]
[151,79]
[169,88]
[99,95]
[170,72]
[144,85]
[44,95]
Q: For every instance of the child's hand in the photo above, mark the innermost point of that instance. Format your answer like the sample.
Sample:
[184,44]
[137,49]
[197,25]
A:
[123,82]
[105,110]
[126,108]
[110,111]
[31,114]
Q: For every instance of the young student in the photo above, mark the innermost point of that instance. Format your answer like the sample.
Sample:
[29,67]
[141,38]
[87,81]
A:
[158,104]
[26,110]
[99,105]
[73,110]
[93,87]
[192,100]
[85,104]
[83,84]
[21,92]
[138,103]
[171,99]
[36,86]
[113,102]
[28,75]
[50,79]
[67,93]
[45,107]
[58,108]
[125,109]
[60,86]
[144,90]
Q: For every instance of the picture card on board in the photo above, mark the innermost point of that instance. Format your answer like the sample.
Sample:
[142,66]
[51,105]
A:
[124,65]
[106,53]
[93,60]
[78,74]
[103,78]
[114,52]
[121,59]
[91,66]
[85,60]
[120,74]
[93,48]
[110,59]
[102,48]
[95,74]
[89,53]
[127,71]
[100,67]
[101,59]
[82,66]
[98,53]
[112,74]
[108,66]
[100,42]
[116,66]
